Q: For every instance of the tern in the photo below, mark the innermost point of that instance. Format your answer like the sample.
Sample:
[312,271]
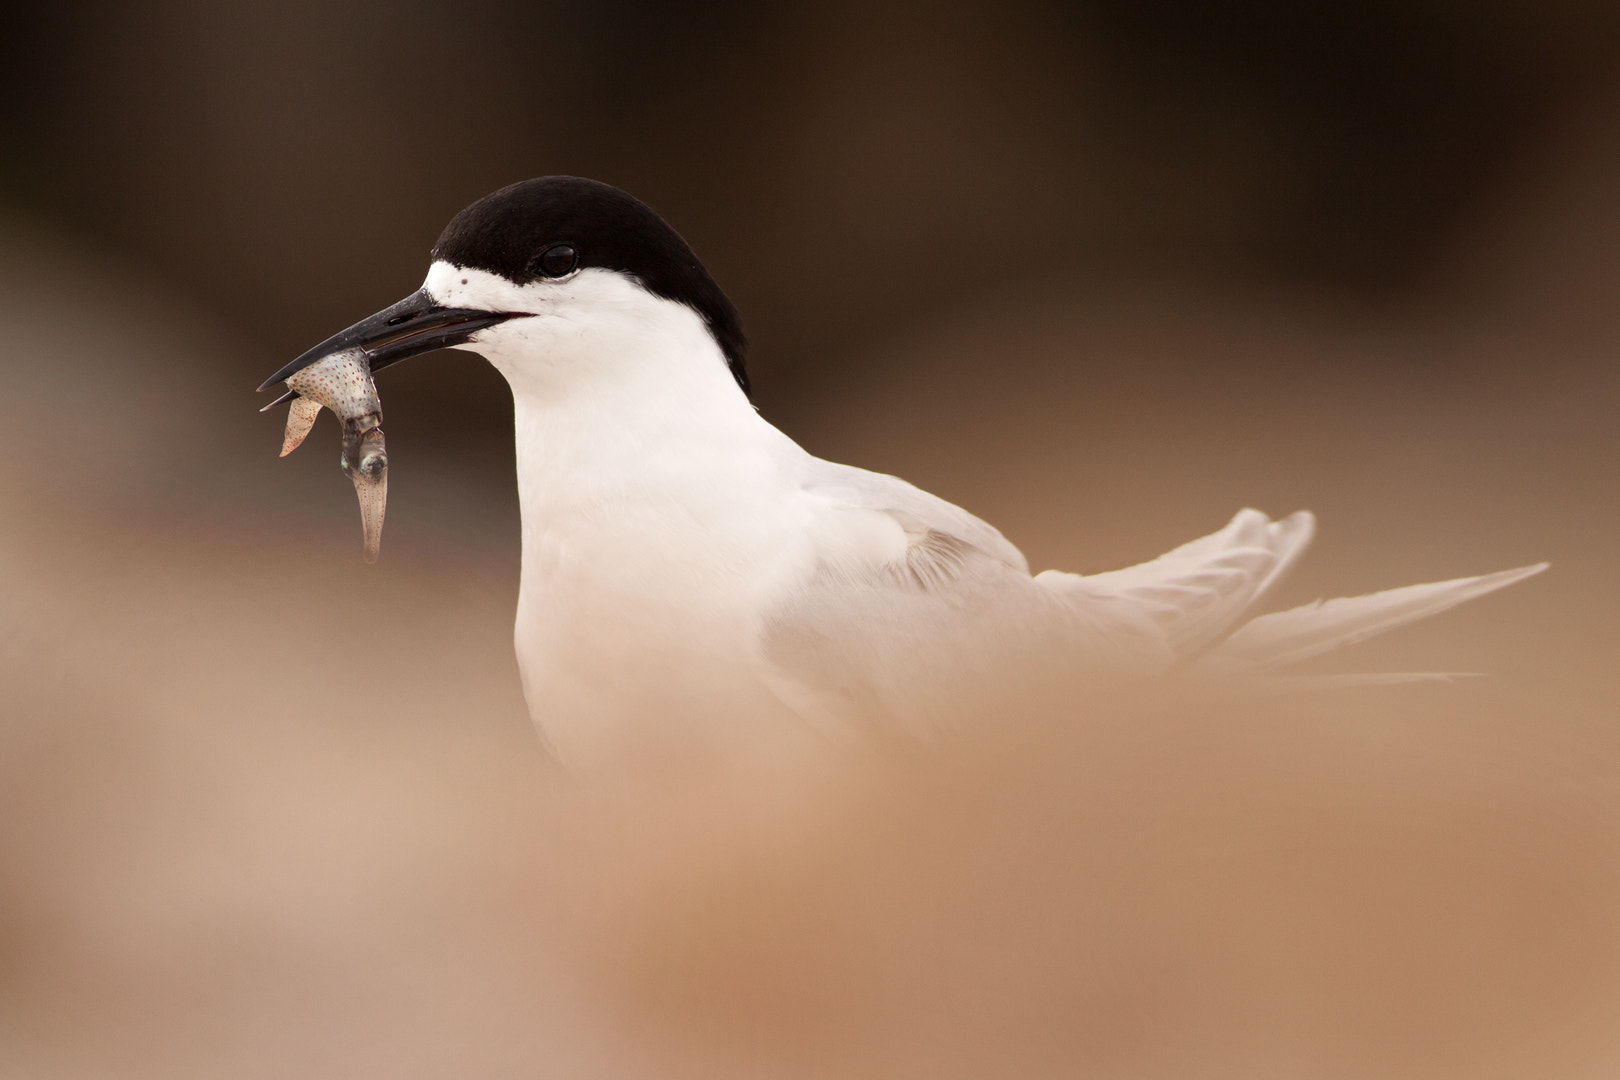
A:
[695,583]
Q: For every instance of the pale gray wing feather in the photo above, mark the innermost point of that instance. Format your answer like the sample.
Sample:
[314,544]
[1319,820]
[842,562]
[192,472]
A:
[894,641]
[916,510]
[1199,593]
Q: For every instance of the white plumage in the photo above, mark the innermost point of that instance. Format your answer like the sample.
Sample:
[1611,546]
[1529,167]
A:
[692,577]
[697,587]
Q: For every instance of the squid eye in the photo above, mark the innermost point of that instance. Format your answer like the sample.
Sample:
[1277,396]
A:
[557,260]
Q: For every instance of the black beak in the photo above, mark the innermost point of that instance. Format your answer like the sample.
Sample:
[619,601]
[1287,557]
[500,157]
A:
[417,324]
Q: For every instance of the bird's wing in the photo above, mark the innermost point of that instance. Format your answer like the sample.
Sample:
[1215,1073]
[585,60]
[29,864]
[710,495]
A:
[920,514]
[889,634]
[892,634]
[901,587]
[1200,592]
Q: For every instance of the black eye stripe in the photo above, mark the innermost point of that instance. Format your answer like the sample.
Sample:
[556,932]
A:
[557,260]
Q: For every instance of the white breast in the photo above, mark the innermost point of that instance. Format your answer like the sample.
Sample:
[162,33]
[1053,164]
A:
[659,515]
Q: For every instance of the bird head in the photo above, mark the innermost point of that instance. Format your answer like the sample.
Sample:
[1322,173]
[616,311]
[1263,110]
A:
[557,281]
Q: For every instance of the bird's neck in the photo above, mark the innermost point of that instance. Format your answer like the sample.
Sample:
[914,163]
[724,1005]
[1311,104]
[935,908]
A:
[666,432]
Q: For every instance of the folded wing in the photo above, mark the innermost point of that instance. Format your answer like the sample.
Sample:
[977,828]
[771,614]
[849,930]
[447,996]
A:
[885,639]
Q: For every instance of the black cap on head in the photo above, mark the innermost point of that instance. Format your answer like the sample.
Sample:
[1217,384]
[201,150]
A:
[521,232]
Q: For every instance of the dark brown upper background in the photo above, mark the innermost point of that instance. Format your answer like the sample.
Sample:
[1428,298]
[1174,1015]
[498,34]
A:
[842,168]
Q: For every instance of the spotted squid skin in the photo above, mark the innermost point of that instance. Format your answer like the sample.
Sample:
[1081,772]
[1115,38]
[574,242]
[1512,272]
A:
[342,382]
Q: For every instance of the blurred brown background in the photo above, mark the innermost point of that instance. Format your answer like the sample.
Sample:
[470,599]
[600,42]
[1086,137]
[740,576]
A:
[1102,273]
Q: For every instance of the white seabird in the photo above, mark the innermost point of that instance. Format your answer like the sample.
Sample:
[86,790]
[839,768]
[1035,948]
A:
[694,584]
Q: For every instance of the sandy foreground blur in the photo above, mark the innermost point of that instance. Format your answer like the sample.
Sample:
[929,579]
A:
[266,811]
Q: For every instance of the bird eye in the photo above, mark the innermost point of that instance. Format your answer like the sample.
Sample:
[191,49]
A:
[557,260]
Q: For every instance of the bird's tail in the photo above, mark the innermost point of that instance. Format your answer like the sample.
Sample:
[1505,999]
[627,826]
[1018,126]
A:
[1202,595]
[1270,643]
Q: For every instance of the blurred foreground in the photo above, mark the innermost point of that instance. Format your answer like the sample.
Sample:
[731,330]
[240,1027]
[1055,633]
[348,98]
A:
[265,811]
